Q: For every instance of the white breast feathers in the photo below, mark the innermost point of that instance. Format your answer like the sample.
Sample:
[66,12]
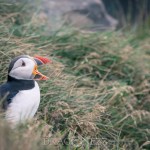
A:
[23,106]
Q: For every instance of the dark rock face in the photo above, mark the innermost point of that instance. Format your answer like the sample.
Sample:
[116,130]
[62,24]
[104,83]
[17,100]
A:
[88,14]
[133,12]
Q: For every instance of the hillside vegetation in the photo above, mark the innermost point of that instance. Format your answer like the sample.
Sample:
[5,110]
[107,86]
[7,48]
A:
[98,92]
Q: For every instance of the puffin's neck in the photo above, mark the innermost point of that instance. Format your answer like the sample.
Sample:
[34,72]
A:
[22,84]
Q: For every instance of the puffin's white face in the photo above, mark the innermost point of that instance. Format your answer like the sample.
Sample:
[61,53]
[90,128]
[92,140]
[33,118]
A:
[23,69]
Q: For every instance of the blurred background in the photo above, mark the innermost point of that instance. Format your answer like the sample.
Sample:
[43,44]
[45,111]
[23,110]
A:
[93,15]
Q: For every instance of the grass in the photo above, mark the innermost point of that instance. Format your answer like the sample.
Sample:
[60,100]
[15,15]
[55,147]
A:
[98,93]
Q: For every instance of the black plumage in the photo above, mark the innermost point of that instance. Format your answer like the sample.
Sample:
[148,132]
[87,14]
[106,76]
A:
[12,87]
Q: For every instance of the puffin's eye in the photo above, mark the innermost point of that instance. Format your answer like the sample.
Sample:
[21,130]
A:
[23,64]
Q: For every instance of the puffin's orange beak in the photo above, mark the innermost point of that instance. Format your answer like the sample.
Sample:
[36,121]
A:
[40,61]
[38,75]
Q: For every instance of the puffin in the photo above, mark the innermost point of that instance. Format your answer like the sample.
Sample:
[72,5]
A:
[20,95]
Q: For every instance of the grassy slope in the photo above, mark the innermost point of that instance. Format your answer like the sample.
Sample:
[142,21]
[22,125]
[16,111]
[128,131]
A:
[98,87]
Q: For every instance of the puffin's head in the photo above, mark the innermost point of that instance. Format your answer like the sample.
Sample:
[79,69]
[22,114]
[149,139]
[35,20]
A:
[25,67]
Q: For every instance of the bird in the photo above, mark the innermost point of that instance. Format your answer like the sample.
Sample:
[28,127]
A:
[20,94]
